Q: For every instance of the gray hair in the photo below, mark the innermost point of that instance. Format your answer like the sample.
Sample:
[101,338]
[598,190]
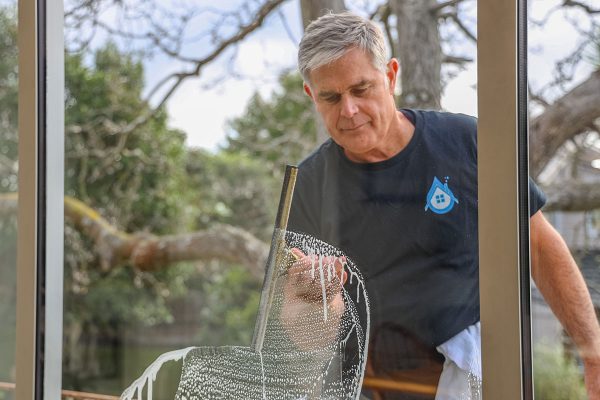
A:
[329,37]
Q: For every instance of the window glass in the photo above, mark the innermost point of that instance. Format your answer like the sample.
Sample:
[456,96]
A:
[564,57]
[180,118]
[8,194]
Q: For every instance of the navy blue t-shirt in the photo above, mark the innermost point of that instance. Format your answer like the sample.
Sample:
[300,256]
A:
[409,223]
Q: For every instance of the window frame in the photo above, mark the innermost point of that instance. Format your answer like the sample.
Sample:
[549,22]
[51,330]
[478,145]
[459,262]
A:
[504,270]
[41,198]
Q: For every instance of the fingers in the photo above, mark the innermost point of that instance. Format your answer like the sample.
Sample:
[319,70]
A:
[311,277]
[340,271]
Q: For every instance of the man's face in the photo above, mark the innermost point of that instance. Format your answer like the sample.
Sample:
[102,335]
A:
[356,102]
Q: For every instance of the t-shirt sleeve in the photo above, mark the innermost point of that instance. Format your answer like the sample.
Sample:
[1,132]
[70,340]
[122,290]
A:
[537,198]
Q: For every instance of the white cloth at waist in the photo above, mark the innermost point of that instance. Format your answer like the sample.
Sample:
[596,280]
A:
[461,375]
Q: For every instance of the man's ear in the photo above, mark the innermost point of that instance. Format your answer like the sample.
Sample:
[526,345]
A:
[392,73]
[308,91]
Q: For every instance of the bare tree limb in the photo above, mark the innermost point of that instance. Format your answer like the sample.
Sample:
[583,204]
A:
[169,84]
[448,59]
[572,196]
[244,31]
[384,11]
[583,6]
[287,28]
[537,97]
[568,116]
[440,6]
[381,10]
[461,26]
[147,252]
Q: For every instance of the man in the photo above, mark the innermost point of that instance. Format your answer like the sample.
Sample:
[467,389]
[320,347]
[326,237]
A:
[397,191]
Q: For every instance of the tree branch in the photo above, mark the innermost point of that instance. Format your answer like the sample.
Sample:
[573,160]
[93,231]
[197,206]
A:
[440,6]
[199,63]
[448,59]
[147,252]
[464,28]
[583,6]
[567,117]
[572,196]
[385,11]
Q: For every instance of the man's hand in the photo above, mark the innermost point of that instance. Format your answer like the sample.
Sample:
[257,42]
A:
[592,379]
[315,278]
[313,303]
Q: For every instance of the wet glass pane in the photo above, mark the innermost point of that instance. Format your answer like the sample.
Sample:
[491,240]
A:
[564,57]
[8,194]
[180,118]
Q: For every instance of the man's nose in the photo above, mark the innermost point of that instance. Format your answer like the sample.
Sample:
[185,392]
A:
[349,107]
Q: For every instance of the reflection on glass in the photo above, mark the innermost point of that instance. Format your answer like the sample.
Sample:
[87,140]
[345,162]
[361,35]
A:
[8,194]
[564,149]
[172,181]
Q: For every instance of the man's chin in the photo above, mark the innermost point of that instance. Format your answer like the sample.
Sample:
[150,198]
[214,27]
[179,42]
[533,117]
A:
[356,153]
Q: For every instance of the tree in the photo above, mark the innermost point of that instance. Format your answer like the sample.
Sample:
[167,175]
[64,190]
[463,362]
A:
[279,131]
[132,180]
[8,100]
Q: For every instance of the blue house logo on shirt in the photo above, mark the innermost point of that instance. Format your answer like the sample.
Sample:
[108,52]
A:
[440,198]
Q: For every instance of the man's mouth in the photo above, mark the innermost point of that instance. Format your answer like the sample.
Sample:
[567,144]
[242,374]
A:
[354,128]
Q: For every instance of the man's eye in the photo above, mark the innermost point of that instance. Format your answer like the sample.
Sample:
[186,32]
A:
[359,91]
[332,99]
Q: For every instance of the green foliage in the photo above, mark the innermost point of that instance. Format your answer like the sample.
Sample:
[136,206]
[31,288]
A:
[8,183]
[555,376]
[231,302]
[131,178]
[136,180]
[278,131]
[232,188]
[143,180]
[8,99]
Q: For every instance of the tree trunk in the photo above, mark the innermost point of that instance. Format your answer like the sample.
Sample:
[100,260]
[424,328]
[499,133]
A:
[311,10]
[420,51]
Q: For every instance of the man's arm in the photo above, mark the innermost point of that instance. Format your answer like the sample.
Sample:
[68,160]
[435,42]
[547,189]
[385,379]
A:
[561,283]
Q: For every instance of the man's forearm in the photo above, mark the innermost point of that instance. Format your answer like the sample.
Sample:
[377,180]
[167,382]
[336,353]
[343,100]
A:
[563,287]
